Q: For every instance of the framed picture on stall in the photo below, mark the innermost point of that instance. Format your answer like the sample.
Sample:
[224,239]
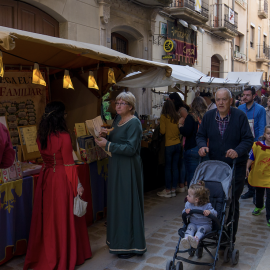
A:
[28,137]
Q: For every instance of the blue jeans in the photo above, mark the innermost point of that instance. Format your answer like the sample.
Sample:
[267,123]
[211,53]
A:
[192,159]
[172,156]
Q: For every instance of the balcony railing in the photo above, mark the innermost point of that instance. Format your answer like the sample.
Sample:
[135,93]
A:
[191,5]
[263,53]
[263,9]
[224,17]
[240,55]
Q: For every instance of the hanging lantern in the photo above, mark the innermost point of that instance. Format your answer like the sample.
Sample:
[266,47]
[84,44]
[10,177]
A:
[67,83]
[91,81]
[37,77]
[111,78]
[1,65]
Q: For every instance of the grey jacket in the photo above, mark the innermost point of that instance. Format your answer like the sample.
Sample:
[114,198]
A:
[198,219]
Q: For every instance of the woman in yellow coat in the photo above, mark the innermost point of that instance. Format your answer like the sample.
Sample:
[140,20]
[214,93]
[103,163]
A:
[259,176]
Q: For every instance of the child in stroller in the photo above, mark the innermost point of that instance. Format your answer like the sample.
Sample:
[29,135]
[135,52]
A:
[219,179]
[197,198]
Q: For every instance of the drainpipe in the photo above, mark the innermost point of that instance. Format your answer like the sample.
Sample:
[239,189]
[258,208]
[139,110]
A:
[233,41]
[247,38]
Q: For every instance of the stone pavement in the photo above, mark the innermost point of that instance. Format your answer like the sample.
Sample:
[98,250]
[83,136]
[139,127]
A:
[162,221]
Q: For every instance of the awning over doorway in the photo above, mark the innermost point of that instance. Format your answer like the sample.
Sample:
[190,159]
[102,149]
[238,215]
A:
[67,54]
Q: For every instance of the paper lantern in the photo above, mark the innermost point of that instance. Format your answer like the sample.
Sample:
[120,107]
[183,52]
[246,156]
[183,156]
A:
[1,65]
[91,81]
[67,83]
[37,76]
[111,78]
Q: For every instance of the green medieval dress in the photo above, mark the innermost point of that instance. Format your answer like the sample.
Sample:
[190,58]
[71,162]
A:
[125,219]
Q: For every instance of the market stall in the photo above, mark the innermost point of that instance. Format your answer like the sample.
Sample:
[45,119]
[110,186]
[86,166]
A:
[29,64]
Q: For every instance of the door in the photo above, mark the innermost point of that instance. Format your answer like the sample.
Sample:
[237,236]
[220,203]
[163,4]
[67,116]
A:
[216,13]
[25,17]
[119,43]
[215,66]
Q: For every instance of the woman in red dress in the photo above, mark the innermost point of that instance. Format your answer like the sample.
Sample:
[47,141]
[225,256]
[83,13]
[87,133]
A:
[58,239]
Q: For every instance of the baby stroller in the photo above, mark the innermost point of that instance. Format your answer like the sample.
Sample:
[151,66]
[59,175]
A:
[219,179]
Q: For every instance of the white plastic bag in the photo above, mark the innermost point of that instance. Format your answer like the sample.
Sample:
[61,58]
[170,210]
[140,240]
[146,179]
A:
[79,206]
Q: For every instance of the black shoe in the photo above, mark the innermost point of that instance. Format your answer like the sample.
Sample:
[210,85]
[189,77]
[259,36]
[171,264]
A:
[126,256]
[247,195]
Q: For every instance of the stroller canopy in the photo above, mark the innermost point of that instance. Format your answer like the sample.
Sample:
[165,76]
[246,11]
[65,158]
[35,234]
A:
[215,171]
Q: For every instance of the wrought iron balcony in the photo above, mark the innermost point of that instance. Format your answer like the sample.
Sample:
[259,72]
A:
[263,53]
[224,21]
[263,9]
[240,56]
[154,3]
[190,11]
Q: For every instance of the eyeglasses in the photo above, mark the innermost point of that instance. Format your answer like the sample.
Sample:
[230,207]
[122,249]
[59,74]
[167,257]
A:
[120,104]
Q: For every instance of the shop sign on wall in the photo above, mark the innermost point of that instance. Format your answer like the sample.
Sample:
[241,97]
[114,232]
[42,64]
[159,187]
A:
[185,42]
[22,102]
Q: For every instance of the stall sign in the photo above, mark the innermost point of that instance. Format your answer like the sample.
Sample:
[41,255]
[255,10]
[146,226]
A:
[22,102]
[169,56]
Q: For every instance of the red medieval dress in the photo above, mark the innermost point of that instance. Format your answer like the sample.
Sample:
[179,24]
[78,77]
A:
[58,239]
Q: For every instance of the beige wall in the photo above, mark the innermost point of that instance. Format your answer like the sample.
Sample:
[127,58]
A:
[79,19]
[254,19]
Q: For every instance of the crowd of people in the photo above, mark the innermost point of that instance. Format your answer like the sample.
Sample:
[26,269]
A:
[209,128]
[221,129]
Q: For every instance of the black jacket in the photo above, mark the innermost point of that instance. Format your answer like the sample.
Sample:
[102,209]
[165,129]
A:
[237,136]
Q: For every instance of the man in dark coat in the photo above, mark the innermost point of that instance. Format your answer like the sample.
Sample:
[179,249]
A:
[230,137]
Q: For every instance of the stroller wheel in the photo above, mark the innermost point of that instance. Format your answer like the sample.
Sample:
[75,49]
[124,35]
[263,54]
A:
[235,257]
[227,255]
[199,252]
[169,265]
[191,253]
[179,266]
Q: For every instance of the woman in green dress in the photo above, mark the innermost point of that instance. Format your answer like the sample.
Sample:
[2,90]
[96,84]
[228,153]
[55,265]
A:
[125,219]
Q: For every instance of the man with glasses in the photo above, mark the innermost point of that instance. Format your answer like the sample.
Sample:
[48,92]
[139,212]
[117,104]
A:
[227,130]
[257,121]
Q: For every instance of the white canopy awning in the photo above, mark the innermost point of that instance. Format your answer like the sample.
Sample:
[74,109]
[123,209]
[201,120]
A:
[190,76]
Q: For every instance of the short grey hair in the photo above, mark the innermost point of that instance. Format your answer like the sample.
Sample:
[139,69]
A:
[129,98]
[226,89]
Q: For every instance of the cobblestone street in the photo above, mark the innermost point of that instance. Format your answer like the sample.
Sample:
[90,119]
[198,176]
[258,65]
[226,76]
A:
[162,221]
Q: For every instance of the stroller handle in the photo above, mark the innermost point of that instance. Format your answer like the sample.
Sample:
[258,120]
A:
[196,211]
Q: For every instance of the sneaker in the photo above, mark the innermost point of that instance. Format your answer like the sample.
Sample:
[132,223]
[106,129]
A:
[193,241]
[165,193]
[268,222]
[247,195]
[173,193]
[185,243]
[180,189]
[257,211]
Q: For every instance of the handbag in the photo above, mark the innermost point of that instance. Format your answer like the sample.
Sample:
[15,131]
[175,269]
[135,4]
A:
[80,206]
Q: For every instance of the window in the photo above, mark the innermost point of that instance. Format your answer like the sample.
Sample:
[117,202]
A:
[264,43]
[252,34]
[237,44]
